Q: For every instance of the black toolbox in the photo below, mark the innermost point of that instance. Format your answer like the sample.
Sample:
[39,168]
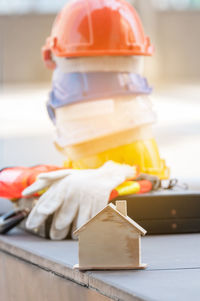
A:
[159,212]
[166,211]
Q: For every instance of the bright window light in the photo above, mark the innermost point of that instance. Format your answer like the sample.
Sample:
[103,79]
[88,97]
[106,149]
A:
[28,6]
[177,4]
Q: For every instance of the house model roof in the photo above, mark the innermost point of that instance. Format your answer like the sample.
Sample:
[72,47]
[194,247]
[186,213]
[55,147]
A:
[113,207]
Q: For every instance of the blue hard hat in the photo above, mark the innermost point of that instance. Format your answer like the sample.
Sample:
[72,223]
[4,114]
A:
[70,88]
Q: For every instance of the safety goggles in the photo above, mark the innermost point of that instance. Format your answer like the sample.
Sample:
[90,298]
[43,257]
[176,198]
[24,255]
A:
[71,88]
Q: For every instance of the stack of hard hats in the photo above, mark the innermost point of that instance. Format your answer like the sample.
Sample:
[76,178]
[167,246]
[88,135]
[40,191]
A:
[100,102]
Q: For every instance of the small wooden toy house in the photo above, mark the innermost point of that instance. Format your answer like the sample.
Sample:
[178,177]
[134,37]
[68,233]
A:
[110,240]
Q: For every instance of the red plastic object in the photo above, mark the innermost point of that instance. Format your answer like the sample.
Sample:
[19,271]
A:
[114,194]
[97,28]
[47,58]
[14,180]
[145,186]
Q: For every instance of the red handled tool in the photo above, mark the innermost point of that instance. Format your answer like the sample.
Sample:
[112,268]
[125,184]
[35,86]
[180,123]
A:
[131,187]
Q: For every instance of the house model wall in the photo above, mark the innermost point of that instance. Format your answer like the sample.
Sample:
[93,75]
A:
[110,240]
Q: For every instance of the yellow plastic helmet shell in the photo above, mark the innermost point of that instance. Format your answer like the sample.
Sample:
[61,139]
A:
[143,153]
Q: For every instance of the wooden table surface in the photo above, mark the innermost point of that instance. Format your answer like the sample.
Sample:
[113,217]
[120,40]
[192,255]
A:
[173,266]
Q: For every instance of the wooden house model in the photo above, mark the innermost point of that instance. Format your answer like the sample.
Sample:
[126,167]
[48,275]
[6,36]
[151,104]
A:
[110,240]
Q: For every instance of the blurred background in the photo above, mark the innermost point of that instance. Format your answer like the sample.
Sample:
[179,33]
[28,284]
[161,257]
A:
[26,134]
[174,27]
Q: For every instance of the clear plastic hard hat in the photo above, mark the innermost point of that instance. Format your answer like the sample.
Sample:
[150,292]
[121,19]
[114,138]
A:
[85,121]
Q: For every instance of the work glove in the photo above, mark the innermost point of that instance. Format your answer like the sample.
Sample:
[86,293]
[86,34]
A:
[74,196]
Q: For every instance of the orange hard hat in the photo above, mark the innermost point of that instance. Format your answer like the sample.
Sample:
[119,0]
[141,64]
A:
[97,28]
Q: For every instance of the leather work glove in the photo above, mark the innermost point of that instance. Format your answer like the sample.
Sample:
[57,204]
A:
[74,196]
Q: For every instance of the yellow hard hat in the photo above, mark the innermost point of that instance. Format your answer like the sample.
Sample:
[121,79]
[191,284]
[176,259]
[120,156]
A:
[143,153]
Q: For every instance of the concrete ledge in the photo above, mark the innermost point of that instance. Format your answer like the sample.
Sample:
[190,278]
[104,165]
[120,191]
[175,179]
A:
[173,272]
